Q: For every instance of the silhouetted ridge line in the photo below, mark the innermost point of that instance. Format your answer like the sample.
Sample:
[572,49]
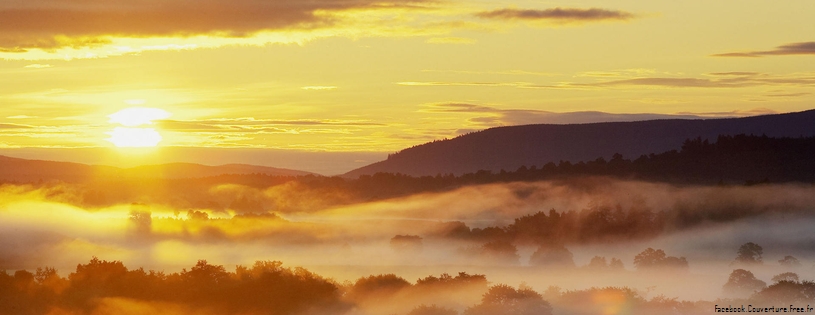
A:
[23,170]
[511,147]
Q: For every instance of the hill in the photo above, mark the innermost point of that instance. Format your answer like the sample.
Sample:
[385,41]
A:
[511,147]
[22,170]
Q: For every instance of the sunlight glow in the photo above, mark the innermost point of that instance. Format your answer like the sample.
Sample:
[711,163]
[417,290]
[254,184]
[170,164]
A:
[123,137]
[137,116]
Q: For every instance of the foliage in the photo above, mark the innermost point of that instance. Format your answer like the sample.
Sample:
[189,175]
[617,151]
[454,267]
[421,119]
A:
[789,262]
[656,258]
[750,253]
[786,291]
[742,282]
[787,276]
[503,299]
[267,288]
[432,310]
[552,256]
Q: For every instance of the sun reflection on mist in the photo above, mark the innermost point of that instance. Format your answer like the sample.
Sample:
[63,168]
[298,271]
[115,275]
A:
[611,302]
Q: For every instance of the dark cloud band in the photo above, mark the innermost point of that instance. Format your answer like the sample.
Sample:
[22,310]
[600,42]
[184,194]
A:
[558,14]
[803,48]
[50,24]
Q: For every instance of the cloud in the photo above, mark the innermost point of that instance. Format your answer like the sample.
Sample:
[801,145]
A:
[731,80]
[802,48]
[451,40]
[14,126]
[417,83]
[561,15]
[735,113]
[251,126]
[51,24]
[319,88]
[498,117]
[38,66]
[718,80]
[787,94]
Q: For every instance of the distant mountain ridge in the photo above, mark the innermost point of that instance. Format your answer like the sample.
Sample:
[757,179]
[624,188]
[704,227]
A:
[15,169]
[511,147]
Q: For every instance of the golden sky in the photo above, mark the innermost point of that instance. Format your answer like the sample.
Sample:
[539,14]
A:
[379,76]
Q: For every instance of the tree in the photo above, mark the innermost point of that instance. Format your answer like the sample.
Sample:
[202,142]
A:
[377,286]
[616,264]
[410,244]
[656,258]
[742,282]
[552,256]
[648,258]
[141,221]
[784,292]
[432,310]
[750,253]
[598,263]
[500,252]
[790,262]
[505,300]
[787,276]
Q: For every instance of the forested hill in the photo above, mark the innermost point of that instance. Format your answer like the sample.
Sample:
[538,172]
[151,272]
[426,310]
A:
[22,170]
[511,147]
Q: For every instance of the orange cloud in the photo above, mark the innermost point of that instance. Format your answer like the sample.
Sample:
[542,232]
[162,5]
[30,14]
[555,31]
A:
[51,24]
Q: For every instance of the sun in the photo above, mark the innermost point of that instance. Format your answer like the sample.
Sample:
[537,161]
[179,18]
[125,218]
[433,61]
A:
[130,136]
[137,116]
[123,137]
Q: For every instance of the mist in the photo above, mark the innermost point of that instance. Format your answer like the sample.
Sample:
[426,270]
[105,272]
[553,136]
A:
[476,229]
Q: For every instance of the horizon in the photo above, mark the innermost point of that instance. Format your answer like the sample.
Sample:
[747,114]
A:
[324,163]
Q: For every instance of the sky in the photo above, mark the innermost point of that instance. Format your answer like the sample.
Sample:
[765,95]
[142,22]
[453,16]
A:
[364,78]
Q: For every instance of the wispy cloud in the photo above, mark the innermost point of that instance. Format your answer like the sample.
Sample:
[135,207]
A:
[39,66]
[319,88]
[489,116]
[560,15]
[251,125]
[731,80]
[712,80]
[735,113]
[802,48]
[451,40]
[15,126]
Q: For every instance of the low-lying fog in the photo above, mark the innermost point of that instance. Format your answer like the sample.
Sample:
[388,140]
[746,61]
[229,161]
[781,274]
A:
[704,224]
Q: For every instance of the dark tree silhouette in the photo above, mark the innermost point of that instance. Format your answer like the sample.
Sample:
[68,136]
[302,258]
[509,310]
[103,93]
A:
[377,286]
[787,276]
[787,292]
[750,253]
[552,256]
[656,258]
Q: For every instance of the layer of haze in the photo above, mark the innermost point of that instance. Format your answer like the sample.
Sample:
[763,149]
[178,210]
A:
[346,239]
